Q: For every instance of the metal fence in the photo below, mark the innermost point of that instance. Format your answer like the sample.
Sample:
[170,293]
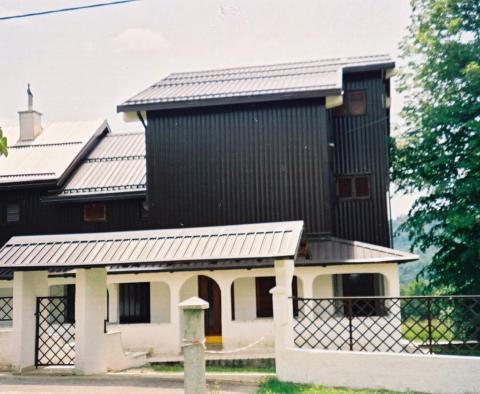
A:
[6,309]
[433,324]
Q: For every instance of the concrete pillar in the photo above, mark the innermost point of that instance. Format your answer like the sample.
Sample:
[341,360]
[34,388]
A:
[27,286]
[175,318]
[193,345]
[91,353]
[282,305]
[226,297]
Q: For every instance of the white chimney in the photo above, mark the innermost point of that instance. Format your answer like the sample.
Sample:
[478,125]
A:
[30,120]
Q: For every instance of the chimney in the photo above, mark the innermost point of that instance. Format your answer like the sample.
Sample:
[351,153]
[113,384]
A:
[30,120]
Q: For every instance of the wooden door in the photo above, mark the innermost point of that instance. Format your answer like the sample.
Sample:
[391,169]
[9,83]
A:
[209,290]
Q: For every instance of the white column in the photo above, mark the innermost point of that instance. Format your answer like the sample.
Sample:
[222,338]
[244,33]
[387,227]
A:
[27,286]
[195,381]
[282,304]
[175,321]
[226,297]
[91,353]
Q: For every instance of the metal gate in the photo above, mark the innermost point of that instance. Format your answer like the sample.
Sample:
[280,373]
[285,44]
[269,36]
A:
[55,332]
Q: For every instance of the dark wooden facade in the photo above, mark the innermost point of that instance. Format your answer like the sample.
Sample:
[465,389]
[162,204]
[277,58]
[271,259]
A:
[246,163]
[272,161]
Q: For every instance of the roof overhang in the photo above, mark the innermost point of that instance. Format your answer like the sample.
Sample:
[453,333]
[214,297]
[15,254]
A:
[94,197]
[262,98]
[278,240]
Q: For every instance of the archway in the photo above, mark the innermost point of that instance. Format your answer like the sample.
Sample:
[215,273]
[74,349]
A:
[209,290]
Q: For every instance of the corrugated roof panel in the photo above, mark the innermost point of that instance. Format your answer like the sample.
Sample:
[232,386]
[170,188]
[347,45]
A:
[135,247]
[321,75]
[116,165]
[50,154]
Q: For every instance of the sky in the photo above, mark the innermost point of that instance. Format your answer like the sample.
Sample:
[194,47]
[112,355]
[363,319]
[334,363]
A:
[82,64]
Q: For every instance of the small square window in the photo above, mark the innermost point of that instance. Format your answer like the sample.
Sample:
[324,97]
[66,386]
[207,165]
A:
[94,213]
[354,104]
[13,213]
[362,187]
[344,188]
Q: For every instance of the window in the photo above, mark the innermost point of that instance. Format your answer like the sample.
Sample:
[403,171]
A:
[360,285]
[134,302]
[354,104]
[94,213]
[263,296]
[13,213]
[349,187]
[263,285]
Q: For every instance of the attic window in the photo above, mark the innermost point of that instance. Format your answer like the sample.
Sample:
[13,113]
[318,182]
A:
[94,213]
[354,104]
[353,187]
[13,213]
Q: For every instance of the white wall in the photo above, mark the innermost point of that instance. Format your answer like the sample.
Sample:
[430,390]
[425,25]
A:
[389,371]
[159,302]
[245,301]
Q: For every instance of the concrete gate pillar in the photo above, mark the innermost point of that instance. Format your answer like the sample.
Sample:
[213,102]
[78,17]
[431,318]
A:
[27,286]
[91,348]
[282,305]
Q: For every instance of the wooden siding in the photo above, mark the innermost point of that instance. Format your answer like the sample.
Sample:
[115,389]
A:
[40,218]
[361,147]
[239,164]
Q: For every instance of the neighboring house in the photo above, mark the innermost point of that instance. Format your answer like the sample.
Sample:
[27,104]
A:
[271,144]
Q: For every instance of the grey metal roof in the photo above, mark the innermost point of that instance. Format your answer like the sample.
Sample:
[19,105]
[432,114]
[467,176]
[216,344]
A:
[331,250]
[317,78]
[116,165]
[249,241]
[50,155]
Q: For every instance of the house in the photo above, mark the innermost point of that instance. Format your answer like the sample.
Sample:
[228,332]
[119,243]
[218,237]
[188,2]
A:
[236,168]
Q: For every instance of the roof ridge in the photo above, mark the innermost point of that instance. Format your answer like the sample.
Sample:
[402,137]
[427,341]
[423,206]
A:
[286,65]
[239,78]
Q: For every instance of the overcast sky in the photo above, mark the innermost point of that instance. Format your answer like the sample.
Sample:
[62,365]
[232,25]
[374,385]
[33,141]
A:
[82,64]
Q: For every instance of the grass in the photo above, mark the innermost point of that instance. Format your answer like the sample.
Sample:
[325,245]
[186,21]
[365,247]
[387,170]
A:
[418,330]
[179,368]
[274,386]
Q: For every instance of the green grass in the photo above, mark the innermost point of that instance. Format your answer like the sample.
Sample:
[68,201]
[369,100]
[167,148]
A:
[179,368]
[273,386]
[418,331]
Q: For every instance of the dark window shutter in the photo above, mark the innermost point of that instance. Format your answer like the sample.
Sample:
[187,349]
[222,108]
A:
[356,102]
[263,296]
[134,302]
[13,213]
[344,187]
[362,187]
[94,213]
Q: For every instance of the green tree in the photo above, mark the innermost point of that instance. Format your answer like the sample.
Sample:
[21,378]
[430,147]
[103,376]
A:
[3,144]
[439,153]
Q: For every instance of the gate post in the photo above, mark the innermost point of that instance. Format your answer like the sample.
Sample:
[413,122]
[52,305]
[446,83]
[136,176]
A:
[27,286]
[193,345]
[282,311]
[91,350]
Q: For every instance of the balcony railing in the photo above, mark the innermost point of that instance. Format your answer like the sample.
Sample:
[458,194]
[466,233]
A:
[426,325]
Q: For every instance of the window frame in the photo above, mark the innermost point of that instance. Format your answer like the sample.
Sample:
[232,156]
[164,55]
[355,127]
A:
[346,108]
[138,294]
[86,219]
[353,186]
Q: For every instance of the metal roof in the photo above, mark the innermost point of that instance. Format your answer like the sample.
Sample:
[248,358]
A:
[301,79]
[116,165]
[239,242]
[331,250]
[50,155]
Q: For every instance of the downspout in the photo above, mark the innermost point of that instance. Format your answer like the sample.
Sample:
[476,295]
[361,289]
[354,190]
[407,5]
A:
[146,204]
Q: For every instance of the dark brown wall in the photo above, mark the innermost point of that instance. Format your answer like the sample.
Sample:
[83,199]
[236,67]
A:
[361,147]
[39,218]
[239,164]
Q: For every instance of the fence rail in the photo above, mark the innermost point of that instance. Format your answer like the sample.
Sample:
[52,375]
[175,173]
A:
[6,309]
[421,324]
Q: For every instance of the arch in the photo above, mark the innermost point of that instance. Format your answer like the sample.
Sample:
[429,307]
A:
[207,288]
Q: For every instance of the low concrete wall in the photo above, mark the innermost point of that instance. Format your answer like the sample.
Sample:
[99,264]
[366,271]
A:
[400,372]
[6,349]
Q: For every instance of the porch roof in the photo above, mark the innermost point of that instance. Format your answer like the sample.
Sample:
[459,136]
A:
[239,242]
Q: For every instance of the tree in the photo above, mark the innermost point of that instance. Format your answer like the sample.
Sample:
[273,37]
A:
[438,155]
[3,144]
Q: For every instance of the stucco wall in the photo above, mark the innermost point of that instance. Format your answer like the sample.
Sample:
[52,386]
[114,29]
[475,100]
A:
[6,343]
[399,372]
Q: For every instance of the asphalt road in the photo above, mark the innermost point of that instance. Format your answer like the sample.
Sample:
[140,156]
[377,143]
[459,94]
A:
[105,385]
